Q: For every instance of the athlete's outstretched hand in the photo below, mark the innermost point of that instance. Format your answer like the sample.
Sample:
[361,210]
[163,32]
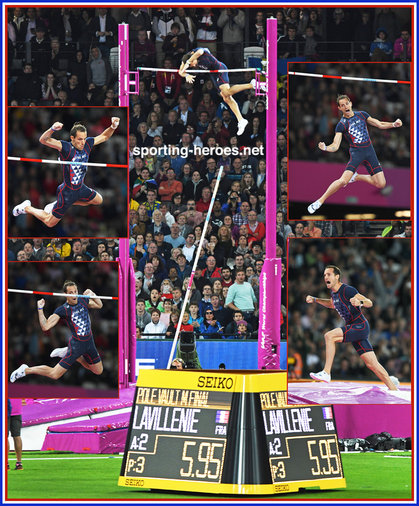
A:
[310,299]
[115,122]
[398,123]
[41,303]
[88,292]
[57,126]
[322,146]
[189,78]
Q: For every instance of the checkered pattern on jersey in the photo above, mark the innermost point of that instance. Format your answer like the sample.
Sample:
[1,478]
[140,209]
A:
[74,174]
[81,320]
[77,318]
[355,129]
[358,130]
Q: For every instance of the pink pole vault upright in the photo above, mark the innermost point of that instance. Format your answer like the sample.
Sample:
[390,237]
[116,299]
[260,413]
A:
[123,314]
[124,73]
[132,335]
[127,339]
[126,321]
[269,340]
[123,41]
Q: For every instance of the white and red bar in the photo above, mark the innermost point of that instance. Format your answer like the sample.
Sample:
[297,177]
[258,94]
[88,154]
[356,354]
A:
[348,78]
[34,292]
[39,160]
[200,71]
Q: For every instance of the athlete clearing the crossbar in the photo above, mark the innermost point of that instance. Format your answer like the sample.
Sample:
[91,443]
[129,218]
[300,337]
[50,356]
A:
[81,346]
[348,303]
[202,58]
[72,191]
[354,127]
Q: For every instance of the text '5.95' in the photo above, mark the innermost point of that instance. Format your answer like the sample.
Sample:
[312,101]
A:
[201,460]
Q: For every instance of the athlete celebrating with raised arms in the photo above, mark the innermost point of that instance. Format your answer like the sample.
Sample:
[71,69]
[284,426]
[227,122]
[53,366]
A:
[354,127]
[81,346]
[348,303]
[202,58]
[72,191]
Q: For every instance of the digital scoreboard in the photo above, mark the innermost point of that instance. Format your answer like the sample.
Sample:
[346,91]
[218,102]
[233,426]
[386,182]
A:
[218,432]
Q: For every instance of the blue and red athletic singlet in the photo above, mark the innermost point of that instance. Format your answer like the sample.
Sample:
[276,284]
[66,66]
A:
[77,318]
[355,129]
[207,61]
[74,175]
[342,305]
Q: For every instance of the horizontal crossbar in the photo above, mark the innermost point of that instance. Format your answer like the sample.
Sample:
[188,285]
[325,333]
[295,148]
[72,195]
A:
[200,71]
[348,78]
[61,162]
[35,292]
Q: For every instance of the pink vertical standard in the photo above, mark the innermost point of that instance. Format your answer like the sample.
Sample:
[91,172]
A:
[121,334]
[125,83]
[127,324]
[132,337]
[269,336]
[123,41]
[271,129]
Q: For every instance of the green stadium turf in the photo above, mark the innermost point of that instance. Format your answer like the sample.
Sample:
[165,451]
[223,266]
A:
[47,475]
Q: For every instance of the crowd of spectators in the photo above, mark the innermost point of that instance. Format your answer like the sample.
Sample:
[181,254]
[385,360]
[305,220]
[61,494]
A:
[170,181]
[88,249]
[27,344]
[341,34]
[59,249]
[68,56]
[314,113]
[171,185]
[39,182]
[378,269]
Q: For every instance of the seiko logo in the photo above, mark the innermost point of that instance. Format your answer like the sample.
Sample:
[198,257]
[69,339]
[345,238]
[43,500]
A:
[215,382]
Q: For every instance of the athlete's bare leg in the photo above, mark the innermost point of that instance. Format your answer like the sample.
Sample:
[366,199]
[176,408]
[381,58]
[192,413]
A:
[50,220]
[47,219]
[94,368]
[229,100]
[44,370]
[372,363]
[236,88]
[377,180]
[97,201]
[331,338]
[336,185]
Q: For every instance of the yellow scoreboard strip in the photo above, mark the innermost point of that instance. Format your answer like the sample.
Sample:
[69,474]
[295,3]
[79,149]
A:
[227,433]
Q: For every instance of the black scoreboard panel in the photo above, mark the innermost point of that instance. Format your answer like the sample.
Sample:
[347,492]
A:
[212,431]
[191,427]
[302,445]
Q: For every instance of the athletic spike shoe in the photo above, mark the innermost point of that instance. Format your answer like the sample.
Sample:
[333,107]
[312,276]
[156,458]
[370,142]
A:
[312,208]
[320,376]
[20,208]
[395,381]
[241,126]
[19,373]
[262,86]
[353,178]
[48,208]
[59,352]
[18,466]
